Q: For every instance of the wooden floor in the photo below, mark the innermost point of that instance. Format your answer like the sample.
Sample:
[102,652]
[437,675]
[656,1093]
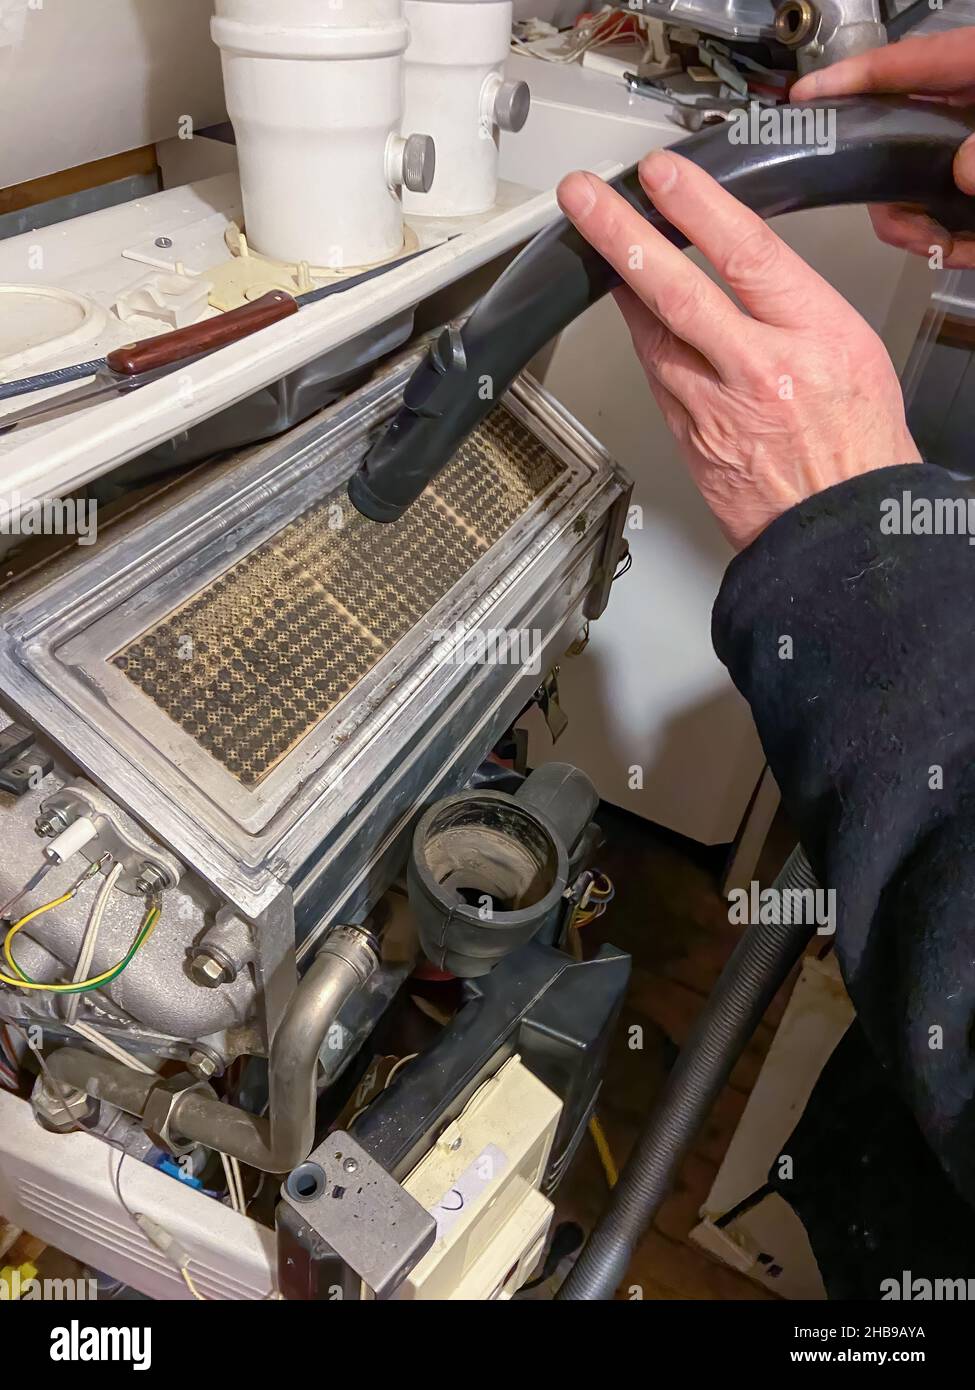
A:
[669,916]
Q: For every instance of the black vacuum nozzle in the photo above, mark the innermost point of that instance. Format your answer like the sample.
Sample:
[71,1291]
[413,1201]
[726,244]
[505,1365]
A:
[887,150]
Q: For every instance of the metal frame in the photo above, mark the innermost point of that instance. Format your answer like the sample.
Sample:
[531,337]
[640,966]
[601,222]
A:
[249,842]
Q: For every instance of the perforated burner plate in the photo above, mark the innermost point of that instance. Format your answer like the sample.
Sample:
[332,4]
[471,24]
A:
[252,663]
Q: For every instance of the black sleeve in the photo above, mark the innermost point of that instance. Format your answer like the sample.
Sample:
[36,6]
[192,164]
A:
[849,626]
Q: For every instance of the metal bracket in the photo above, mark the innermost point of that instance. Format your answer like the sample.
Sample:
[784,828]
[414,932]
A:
[342,1195]
[118,835]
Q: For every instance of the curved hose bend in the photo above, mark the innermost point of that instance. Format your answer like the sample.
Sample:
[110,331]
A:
[758,966]
[887,150]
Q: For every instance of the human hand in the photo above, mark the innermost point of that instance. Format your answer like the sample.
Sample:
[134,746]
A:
[941,67]
[769,406]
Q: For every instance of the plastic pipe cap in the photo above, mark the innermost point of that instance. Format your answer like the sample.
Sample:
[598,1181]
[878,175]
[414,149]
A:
[512,105]
[419,163]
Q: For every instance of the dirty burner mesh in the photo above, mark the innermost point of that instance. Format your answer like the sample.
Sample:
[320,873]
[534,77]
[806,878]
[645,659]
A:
[253,662]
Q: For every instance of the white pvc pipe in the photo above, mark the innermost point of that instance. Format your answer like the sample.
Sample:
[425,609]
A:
[314,90]
[455,91]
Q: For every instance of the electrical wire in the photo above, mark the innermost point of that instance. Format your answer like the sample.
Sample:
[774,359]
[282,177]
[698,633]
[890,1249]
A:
[605,1152]
[157,1236]
[31,916]
[604,28]
[90,872]
[598,894]
[239,1183]
[90,940]
[398,1067]
[232,1191]
[51,1080]
[111,1049]
[28,887]
[149,924]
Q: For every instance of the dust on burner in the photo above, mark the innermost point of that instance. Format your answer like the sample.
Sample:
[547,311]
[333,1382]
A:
[252,663]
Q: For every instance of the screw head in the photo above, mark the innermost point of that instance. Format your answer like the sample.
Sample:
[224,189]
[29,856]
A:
[164,243]
[208,972]
[201,1065]
[351,1165]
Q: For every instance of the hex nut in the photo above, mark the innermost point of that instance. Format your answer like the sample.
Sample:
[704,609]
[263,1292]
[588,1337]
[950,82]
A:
[51,1113]
[202,1065]
[152,879]
[209,972]
[161,1104]
[49,823]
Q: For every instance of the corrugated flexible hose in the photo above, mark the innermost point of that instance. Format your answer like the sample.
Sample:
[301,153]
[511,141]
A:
[757,968]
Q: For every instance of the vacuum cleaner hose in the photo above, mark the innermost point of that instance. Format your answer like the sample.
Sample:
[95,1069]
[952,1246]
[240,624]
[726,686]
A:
[887,150]
[758,966]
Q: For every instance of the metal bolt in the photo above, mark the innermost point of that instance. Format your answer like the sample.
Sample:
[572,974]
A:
[201,1065]
[351,1165]
[208,972]
[456,1144]
[50,823]
[164,243]
[151,879]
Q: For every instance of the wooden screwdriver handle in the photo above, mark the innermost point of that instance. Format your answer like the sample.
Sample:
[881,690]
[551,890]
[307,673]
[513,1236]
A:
[169,348]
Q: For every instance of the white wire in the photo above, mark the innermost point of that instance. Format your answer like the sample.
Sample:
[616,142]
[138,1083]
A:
[111,1049]
[89,942]
[228,1173]
[239,1180]
[603,29]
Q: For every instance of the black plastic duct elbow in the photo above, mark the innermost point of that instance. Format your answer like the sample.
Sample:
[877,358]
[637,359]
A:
[888,150]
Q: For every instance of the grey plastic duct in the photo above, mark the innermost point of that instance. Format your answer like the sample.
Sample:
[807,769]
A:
[888,150]
[488,871]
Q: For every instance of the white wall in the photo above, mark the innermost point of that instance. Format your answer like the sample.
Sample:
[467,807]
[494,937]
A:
[82,79]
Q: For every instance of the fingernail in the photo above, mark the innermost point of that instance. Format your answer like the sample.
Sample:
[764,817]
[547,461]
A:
[965,167]
[577,196]
[658,173]
[806,87]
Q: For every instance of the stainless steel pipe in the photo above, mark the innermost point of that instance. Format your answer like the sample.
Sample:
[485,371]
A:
[286,1136]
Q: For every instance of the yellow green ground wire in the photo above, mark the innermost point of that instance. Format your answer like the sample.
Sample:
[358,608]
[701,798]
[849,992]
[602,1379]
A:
[24,981]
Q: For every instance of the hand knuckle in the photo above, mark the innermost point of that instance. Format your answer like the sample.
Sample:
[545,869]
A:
[757,258]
